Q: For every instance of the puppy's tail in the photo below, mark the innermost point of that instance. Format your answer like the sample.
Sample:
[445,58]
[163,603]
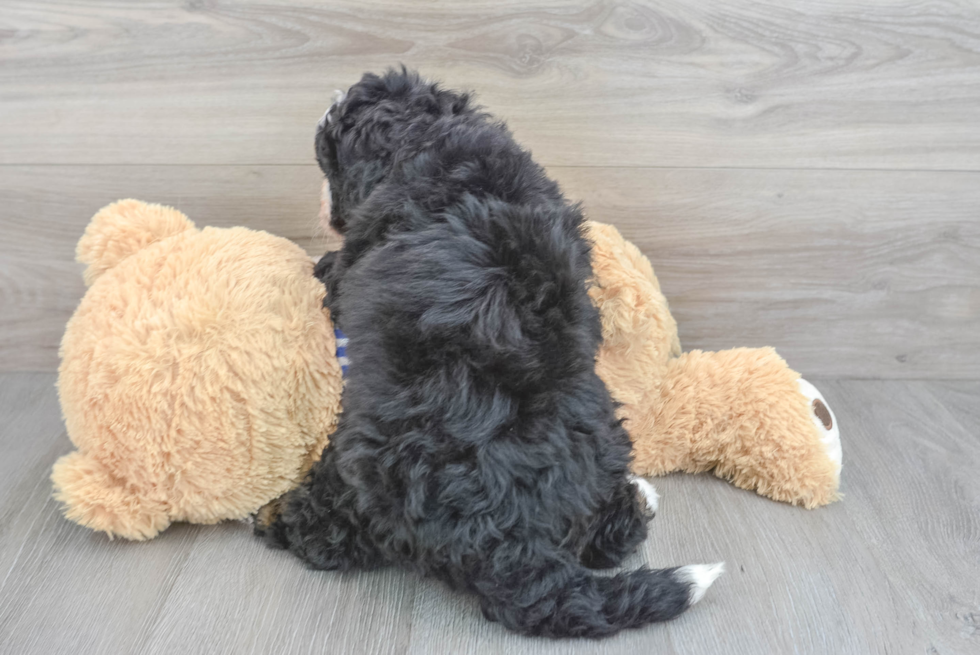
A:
[574,602]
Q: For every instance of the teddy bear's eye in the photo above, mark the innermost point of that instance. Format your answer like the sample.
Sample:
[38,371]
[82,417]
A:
[823,414]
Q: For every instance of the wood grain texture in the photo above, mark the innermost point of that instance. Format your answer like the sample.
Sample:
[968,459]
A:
[890,569]
[676,122]
[781,83]
[961,400]
[62,590]
[44,211]
[857,274]
[256,600]
[914,497]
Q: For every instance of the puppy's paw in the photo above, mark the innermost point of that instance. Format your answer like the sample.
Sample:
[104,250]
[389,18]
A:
[267,526]
[649,493]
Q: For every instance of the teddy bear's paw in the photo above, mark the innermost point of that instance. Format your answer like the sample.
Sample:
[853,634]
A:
[825,421]
[649,493]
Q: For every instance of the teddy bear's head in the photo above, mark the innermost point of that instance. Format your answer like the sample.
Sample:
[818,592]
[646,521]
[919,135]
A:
[198,378]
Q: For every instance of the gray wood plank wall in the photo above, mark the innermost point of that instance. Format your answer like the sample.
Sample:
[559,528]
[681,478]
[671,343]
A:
[803,174]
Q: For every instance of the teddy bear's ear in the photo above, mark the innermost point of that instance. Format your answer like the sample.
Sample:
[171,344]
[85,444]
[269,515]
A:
[96,499]
[123,228]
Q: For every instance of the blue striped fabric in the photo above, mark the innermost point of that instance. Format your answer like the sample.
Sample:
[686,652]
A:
[342,351]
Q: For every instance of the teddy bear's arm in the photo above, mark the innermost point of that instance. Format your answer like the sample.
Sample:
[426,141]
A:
[740,413]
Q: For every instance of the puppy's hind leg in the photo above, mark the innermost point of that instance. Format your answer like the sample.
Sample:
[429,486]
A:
[317,522]
[622,525]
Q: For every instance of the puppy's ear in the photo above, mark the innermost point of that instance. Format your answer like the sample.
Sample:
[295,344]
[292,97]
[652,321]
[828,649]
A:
[123,228]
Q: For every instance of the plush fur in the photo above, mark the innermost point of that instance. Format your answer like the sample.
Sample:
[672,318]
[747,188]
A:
[477,444]
[739,413]
[198,378]
[147,350]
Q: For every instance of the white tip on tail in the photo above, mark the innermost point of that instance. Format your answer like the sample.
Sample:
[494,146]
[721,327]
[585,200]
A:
[649,493]
[700,576]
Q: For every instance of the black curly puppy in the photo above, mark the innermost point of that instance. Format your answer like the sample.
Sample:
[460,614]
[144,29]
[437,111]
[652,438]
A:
[477,443]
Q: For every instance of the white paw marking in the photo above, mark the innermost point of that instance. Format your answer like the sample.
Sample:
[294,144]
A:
[829,437]
[700,577]
[649,492]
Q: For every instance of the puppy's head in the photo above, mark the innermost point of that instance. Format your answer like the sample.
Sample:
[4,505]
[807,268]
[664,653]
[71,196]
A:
[371,125]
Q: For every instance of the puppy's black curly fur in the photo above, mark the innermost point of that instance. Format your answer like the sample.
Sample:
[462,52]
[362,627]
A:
[477,443]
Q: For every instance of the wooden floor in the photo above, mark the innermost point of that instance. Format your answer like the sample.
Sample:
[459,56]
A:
[802,173]
[893,568]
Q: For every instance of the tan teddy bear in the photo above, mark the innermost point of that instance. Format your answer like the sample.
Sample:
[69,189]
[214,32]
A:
[741,413]
[199,379]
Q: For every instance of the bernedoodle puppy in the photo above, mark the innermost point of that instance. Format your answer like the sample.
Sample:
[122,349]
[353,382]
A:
[477,443]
